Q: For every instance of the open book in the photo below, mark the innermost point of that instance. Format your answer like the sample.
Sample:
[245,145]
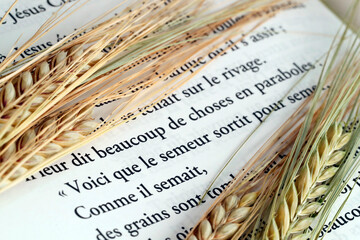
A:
[144,179]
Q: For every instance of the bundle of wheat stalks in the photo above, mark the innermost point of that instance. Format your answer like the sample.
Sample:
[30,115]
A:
[46,104]
[294,198]
[47,99]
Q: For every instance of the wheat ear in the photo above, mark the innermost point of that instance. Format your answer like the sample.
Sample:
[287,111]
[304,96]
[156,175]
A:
[9,168]
[225,218]
[302,200]
[38,136]
[19,87]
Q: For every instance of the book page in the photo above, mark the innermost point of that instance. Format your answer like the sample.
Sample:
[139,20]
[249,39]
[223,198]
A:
[143,180]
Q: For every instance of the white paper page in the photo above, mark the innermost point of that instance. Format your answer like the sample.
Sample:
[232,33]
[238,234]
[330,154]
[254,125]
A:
[170,171]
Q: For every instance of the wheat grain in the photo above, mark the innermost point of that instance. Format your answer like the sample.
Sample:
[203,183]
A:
[294,214]
[225,218]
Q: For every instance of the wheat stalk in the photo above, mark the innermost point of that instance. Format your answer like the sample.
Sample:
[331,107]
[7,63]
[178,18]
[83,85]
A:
[312,178]
[302,199]
[306,179]
[219,222]
[20,161]
[230,228]
[315,167]
[17,164]
[38,90]
[49,79]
